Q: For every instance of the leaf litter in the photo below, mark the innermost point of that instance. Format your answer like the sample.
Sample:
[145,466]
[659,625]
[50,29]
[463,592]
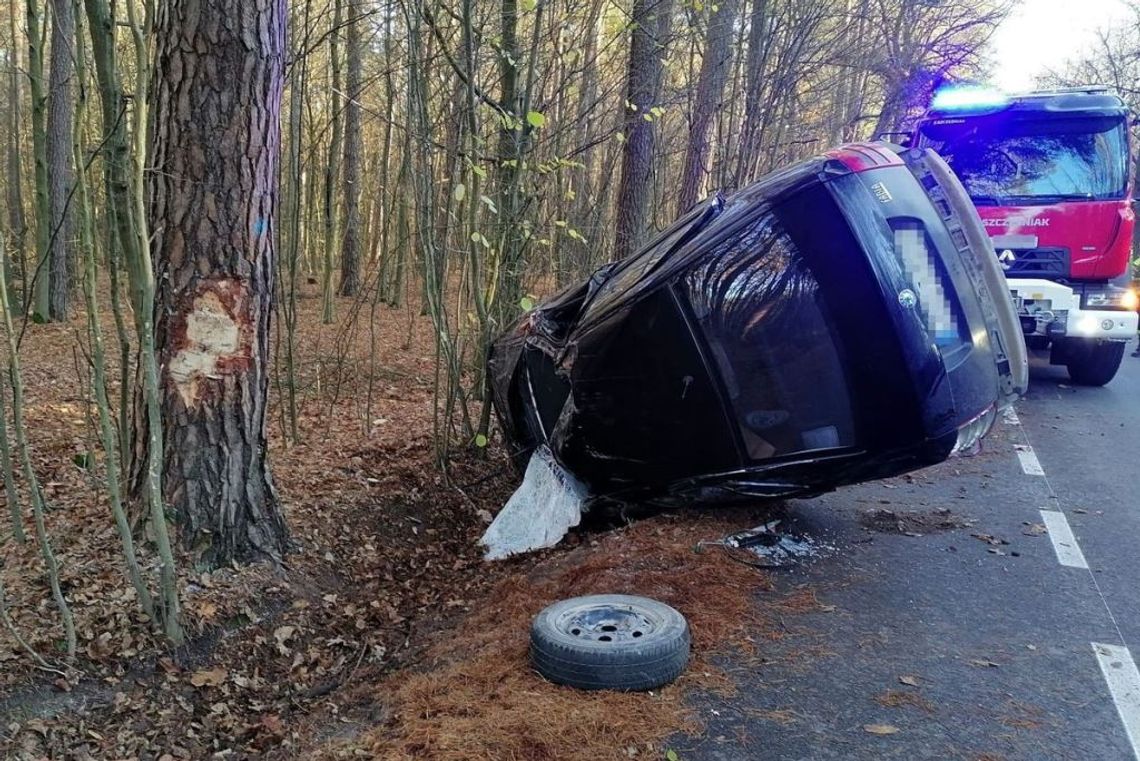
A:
[385,634]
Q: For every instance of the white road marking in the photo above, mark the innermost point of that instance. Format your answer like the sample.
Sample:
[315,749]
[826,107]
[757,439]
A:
[1029,462]
[1064,543]
[1124,683]
[1009,415]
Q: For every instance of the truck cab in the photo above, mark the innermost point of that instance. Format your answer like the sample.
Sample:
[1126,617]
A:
[1050,175]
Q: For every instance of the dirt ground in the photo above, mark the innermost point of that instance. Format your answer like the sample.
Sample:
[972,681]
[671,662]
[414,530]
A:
[384,635]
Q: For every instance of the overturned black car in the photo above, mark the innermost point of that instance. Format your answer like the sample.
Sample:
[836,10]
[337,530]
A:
[840,320]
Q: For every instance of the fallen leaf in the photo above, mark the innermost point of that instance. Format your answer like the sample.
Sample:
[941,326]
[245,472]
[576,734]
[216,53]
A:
[209,677]
[983,663]
[911,680]
[880,729]
[1034,529]
[272,724]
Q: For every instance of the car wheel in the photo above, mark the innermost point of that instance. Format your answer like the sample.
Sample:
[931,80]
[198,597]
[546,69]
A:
[610,642]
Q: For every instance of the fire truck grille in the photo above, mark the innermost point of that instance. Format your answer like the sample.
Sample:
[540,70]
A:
[1036,262]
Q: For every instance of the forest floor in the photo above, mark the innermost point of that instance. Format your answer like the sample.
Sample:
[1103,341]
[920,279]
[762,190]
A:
[384,635]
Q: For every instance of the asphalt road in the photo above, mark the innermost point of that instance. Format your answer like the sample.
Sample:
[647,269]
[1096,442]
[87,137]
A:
[993,640]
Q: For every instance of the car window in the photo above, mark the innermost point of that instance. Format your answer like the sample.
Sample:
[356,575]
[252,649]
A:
[766,325]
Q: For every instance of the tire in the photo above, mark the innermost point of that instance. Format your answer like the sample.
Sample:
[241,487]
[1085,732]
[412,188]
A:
[623,642]
[1094,363]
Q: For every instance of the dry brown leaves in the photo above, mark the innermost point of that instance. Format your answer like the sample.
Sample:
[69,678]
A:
[481,699]
[386,564]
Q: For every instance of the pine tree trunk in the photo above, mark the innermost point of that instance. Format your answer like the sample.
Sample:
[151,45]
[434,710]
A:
[39,156]
[14,198]
[351,245]
[216,101]
[332,170]
[710,87]
[61,107]
[651,22]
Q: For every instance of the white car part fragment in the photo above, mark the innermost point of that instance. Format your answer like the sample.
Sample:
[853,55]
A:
[540,512]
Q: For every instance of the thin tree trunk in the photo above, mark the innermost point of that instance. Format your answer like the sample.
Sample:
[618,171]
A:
[17,221]
[352,241]
[651,22]
[51,563]
[41,308]
[715,66]
[219,148]
[123,176]
[332,170]
[106,423]
[61,107]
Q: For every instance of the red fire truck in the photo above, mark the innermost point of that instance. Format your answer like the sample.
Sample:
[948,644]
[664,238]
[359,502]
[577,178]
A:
[1050,175]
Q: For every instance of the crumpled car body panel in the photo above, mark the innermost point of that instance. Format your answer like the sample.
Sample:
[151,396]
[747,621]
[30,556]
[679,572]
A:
[835,322]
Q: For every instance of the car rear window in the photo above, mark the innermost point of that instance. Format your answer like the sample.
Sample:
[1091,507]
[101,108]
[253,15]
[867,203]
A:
[760,310]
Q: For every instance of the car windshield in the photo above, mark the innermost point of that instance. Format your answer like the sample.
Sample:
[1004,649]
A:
[1026,162]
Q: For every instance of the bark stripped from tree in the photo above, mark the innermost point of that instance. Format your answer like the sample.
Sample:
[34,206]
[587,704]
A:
[216,136]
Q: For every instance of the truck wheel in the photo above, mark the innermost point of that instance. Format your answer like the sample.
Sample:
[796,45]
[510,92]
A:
[610,642]
[1094,363]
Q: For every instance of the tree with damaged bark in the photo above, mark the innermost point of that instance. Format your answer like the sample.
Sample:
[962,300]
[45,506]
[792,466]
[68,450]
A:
[219,72]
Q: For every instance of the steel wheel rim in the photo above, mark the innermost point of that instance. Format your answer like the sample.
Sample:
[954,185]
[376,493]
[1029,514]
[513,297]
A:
[607,624]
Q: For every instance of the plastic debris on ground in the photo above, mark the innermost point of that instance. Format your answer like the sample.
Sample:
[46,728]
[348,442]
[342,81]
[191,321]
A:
[775,548]
[546,505]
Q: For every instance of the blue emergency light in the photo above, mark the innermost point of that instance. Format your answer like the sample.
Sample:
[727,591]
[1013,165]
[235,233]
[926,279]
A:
[968,98]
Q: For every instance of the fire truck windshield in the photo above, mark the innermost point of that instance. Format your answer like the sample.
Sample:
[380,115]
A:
[1034,161]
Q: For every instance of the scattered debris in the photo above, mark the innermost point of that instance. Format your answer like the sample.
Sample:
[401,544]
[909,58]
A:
[1034,529]
[881,729]
[911,681]
[990,539]
[982,663]
[774,548]
[912,523]
[905,699]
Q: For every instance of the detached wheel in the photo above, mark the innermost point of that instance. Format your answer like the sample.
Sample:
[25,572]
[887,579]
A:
[1094,363]
[610,642]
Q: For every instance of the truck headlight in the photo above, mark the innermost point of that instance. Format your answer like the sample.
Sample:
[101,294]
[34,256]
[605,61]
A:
[1111,297]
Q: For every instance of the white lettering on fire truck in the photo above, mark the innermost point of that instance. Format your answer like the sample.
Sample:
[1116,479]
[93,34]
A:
[1016,222]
